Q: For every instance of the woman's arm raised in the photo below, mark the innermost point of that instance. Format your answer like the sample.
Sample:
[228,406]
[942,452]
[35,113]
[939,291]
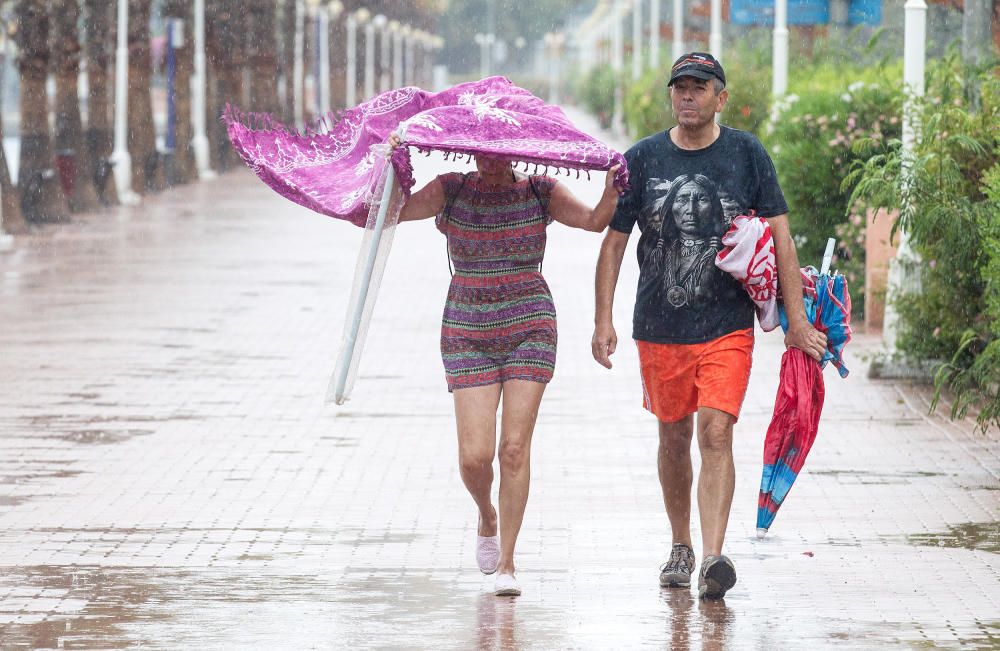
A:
[427,202]
[567,209]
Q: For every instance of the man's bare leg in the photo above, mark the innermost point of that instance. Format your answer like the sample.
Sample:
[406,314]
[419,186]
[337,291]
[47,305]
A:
[717,478]
[674,465]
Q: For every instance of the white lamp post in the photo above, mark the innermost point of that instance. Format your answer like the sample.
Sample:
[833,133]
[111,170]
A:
[637,38]
[411,56]
[779,48]
[904,277]
[438,74]
[553,43]
[405,54]
[715,31]
[323,83]
[199,141]
[351,84]
[678,45]
[432,47]
[385,54]
[298,65]
[397,53]
[485,42]
[617,61]
[370,58]
[654,33]
[120,157]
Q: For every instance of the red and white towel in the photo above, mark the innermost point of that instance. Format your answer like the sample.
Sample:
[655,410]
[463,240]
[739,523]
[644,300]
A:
[749,256]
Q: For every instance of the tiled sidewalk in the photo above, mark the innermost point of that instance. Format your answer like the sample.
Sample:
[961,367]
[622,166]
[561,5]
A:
[170,477]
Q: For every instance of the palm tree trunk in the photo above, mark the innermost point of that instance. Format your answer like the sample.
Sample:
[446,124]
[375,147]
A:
[147,173]
[226,43]
[263,56]
[287,51]
[12,221]
[42,198]
[100,143]
[183,164]
[338,63]
[73,163]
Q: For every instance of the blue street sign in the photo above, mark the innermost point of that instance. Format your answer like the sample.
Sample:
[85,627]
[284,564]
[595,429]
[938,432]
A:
[803,12]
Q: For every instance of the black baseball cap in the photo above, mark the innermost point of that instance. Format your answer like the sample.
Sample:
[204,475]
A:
[700,65]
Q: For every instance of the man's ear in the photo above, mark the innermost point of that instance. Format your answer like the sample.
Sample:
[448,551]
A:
[722,99]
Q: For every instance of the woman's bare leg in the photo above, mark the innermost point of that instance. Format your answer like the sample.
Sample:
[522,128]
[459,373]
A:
[520,411]
[476,420]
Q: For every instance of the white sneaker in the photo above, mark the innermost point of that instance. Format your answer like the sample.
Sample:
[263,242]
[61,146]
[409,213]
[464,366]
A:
[487,553]
[506,586]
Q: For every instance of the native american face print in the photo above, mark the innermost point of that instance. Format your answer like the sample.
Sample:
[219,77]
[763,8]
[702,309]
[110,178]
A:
[689,217]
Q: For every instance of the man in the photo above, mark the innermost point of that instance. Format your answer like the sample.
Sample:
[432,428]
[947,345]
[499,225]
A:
[693,323]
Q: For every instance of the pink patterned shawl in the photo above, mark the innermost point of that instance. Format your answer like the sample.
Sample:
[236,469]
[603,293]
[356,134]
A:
[336,170]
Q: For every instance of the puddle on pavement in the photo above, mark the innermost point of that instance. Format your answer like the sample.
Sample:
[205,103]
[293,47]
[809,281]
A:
[78,607]
[90,607]
[980,536]
[380,414]
[875,476]
[100,436]
[390,606]
[25,476]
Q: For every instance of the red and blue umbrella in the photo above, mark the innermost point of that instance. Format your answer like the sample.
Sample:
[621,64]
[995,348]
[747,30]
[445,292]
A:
[799,403]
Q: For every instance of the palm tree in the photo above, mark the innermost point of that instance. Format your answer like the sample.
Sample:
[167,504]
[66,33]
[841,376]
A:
[99,46]
[225,26]
[75,164]
[147,173]
[42,198]
[183,161]
[338,62]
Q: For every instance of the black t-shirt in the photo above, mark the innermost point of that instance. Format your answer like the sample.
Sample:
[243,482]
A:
[684,201]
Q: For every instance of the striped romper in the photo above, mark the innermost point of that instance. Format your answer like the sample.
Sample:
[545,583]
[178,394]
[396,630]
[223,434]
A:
[499,321]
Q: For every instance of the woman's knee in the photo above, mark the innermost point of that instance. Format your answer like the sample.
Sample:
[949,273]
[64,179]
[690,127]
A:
[475,462]
[514,454]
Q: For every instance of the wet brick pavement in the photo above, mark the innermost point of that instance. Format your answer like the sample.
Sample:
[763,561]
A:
[170,477]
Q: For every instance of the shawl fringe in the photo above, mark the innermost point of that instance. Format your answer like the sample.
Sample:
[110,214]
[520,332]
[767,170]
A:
[262,121]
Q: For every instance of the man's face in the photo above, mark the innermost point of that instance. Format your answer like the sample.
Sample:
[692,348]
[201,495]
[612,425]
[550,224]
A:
[694,102]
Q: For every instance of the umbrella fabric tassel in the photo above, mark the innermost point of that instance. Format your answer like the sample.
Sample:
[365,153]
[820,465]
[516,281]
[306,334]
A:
[791,433]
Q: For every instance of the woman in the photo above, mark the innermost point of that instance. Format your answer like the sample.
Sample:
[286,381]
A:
[498,334]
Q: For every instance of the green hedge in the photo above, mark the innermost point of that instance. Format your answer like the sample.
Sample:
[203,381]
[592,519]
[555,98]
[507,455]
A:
[811,137]
[951,213]
[596,89]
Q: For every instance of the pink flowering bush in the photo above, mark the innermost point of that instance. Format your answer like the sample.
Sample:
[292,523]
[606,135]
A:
[811,138]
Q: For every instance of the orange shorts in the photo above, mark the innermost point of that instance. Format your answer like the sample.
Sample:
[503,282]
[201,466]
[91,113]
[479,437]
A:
[677,379]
